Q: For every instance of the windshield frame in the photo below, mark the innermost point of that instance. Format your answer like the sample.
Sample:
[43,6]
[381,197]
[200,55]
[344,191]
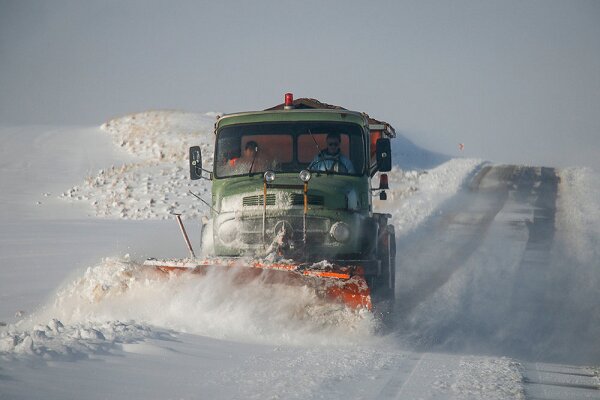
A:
[296,129]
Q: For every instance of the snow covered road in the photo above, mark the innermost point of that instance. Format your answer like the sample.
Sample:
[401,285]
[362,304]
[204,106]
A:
[489,275]
[497,285]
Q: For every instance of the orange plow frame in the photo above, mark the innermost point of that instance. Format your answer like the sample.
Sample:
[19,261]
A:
[344,284]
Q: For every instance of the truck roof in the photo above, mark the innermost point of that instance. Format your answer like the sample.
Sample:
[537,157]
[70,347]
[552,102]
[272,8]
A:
[307,104]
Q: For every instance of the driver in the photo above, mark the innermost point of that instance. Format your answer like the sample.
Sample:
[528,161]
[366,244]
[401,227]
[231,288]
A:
[332,159]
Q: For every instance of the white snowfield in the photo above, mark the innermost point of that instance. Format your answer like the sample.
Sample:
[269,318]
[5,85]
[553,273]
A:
[498,281]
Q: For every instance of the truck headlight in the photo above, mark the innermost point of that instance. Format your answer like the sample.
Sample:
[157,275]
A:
[305,175]
[340,232]
[269,176]
[228,231]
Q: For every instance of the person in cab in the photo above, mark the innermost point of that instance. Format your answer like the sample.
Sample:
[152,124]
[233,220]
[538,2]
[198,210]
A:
[331,159]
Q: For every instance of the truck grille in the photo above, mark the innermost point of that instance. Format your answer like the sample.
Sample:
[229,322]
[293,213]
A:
[295,199]
[250,201]
[298,200]
[317,229]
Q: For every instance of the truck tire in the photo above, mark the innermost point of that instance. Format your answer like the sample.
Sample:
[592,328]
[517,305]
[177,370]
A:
[392,241]
[384,286]
[387,256]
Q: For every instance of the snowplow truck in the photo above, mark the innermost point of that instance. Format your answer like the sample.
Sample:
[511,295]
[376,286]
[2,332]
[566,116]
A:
[292,192]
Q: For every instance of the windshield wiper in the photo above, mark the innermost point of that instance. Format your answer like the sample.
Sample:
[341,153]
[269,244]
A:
[253,160]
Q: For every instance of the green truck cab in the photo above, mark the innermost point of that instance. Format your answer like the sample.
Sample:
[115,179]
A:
[295,181]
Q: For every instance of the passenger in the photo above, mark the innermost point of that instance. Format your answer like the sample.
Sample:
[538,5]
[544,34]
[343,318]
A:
[249,156]
[331,159]
[250,150]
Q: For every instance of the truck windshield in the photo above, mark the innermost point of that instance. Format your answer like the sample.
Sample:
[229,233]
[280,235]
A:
[330,147]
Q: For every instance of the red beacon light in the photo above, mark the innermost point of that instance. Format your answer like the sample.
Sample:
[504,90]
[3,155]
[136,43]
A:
[289,101]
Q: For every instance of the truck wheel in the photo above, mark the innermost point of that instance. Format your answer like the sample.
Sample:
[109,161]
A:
[392,241]
[385,284]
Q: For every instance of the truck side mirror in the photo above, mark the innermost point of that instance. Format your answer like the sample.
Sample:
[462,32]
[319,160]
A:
[384,155]
[195,163]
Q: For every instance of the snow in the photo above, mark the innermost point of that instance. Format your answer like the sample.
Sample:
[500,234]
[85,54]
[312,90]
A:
[416,194]
[79,318]
[156,183]
[579,213]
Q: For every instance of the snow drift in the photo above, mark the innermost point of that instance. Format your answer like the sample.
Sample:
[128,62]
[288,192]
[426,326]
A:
[468,283]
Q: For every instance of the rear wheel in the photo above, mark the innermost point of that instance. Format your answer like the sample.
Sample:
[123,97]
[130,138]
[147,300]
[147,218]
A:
[384,285]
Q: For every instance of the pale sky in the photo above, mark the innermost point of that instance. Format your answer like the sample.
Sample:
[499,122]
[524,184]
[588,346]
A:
[515,81]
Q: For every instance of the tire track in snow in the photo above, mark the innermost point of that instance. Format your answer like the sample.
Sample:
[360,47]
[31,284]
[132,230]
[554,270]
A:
[435,376]
[470,280]
[535,292]
[554,298]
[552,381]
[453,237]
[399,376]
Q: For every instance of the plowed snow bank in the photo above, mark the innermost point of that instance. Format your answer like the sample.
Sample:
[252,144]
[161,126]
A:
[157,183]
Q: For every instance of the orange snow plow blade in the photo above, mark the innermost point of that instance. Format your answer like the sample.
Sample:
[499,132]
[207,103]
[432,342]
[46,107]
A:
[344,284]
